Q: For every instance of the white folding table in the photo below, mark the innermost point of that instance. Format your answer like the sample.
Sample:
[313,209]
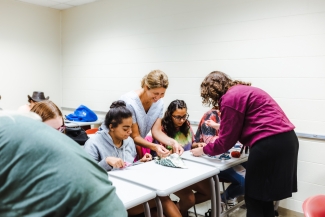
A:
[78,123]
[132,194]
[215,161]
[221,165]
[167,180]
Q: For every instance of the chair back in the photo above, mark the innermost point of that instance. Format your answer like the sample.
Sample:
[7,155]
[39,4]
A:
[92,131]
[141,151]
[314,206]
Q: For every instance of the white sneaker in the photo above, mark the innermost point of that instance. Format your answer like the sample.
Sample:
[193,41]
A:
[232,202]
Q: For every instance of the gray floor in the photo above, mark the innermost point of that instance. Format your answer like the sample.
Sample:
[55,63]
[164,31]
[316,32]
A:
[237,213]
[203,207]
[242,213]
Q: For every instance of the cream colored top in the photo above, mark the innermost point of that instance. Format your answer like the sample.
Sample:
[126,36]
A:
[24,108]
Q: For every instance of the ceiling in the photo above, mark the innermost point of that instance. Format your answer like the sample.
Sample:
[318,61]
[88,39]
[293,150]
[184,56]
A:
[58,4]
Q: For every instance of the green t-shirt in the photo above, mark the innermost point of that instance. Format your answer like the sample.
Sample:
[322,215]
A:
[45,173]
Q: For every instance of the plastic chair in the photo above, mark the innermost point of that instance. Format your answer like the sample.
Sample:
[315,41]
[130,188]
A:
[92,131]
[141,151]
[314,206]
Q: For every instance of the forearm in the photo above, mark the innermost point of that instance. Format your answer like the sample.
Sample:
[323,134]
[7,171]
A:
[159,135]
[216,127]
[105,165]
[163,138]
[229,133]
[138,140]
[209,139]
[214,148]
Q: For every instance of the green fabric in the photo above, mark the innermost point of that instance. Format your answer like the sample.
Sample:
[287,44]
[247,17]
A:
[45,173]
[173,160]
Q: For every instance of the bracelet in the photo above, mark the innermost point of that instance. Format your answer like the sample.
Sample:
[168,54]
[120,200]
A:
[170,147]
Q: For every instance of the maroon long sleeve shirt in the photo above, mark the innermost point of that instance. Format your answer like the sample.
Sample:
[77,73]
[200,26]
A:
[248,114]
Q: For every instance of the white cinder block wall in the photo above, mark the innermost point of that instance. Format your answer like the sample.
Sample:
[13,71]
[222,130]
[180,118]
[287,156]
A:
[277,45]
[108,46]
[30,53]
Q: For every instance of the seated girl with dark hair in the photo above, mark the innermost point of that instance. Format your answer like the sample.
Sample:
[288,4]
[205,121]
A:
[176,125]
[114,148]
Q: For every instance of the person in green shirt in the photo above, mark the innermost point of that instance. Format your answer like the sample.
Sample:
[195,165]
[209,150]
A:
[45,173]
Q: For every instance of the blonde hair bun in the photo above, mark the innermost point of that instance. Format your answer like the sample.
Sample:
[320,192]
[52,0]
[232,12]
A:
[155,79]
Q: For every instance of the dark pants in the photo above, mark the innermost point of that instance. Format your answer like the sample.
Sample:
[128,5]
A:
[237,186]
[258,208]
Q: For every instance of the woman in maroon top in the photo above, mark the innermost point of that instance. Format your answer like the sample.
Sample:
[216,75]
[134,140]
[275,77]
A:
[251,116]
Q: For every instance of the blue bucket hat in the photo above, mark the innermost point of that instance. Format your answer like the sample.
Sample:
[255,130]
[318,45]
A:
[82,114]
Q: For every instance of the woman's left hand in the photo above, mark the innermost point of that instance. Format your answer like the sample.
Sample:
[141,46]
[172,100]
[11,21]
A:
[147,157]
[197,152]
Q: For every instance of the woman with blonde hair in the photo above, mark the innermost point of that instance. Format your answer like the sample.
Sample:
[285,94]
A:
[146,105]
[50,114]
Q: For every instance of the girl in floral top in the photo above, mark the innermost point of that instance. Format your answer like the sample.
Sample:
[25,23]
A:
[176,125]
[208,132]
[208,128]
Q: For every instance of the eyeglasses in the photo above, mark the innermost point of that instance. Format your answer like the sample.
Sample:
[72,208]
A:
[180,118]
[62,128]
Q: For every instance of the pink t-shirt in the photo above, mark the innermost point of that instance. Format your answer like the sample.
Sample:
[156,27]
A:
[248,114]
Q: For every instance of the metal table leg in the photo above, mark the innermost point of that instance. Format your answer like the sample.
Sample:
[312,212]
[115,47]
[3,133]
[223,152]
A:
[159,207]
[214,201]
[146,209]
[217,194]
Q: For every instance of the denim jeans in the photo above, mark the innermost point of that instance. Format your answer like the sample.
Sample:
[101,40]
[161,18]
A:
[237,186]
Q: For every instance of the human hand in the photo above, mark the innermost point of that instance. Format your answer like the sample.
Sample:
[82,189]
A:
[212,124]
[198,144]
[177,148]
[161,151]
[197,152]
[115,162]
[146,157]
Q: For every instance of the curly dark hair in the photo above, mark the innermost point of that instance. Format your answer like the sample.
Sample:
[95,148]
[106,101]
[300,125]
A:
[167,122]
[116,114]
[215,85]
